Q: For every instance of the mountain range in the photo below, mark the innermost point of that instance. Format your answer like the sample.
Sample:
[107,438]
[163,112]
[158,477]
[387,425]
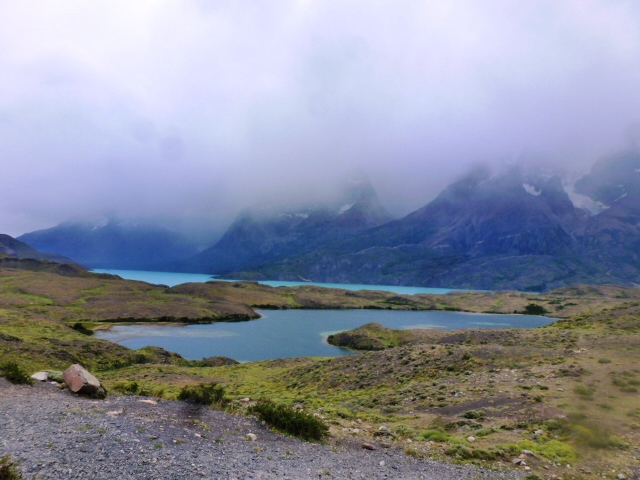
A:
[110,242]
[518,227]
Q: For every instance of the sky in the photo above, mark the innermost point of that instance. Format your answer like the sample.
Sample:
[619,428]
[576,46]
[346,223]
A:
[193,110]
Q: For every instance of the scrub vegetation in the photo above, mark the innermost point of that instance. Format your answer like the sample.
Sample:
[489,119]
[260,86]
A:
[567,393]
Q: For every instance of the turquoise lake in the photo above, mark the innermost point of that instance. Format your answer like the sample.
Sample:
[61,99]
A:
[295,333]
[171,279]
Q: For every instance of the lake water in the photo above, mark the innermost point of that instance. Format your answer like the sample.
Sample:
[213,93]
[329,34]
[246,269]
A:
[295,333]
[171,279]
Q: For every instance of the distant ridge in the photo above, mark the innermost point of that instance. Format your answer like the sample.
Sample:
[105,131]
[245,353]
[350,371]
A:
[19,255]
[12,248]
[517,228]
[109,242]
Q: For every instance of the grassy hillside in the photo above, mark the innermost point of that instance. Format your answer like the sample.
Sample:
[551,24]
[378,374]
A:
[567,392]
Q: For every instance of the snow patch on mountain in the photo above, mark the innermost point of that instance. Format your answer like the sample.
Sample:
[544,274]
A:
[583,202]
[531,190]
[345,208]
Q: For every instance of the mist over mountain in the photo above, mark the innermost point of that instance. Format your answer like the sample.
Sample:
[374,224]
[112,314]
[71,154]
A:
[109,242]
[190,112]
[516,227]
[269,233]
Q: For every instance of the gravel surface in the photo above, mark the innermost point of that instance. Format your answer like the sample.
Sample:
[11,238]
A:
[55,434]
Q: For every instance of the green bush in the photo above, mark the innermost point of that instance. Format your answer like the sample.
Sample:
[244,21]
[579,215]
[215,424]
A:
[204,394]
[583,391]
[436,436]
[12,372]
[9,469]
[79,327]
[291,421]
[466,453]
[475,414]
[533,309]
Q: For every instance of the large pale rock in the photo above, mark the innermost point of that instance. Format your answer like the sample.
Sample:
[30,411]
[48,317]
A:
[40,376]
[79,380]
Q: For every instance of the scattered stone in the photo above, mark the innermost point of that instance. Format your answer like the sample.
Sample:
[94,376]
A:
[518,461]
[149,401]
[252,437]
[528,453]
[245,400]
[527,468]
[40,376]
[382,463]
[622,476]
[471,439]
[383,428]
[369,446]
[539,432]
[79,380]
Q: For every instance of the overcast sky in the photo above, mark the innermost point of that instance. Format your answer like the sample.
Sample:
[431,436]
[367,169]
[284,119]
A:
[197,108]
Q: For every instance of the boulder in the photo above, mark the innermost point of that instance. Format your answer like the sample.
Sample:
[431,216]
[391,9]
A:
[79,380]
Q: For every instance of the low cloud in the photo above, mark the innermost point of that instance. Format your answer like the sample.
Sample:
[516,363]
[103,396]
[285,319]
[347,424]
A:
[194,110]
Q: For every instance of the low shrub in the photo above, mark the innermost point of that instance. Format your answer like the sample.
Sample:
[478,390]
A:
[79,327]
[585,393]
[554,450]
[475,414]
[14,373]
[435,436]
[204,394]
[467,453]
[288,420]
[533,309]
[9,470]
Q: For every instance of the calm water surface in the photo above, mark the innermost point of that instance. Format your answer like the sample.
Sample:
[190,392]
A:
[171,279]
[295,333]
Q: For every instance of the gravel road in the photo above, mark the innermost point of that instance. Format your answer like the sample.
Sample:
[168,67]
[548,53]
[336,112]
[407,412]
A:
[57,435]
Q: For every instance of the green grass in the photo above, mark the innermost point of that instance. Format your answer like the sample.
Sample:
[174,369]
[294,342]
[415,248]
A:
[9,470]
[15,374]
[419,377]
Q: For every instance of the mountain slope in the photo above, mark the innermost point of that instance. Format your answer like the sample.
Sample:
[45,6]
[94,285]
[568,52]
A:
[262,236]
[11,247]
[112,243]
[515,229]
